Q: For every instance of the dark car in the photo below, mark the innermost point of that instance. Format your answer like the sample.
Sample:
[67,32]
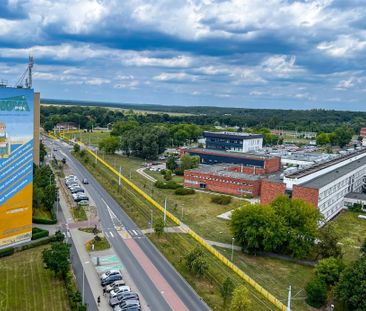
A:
[110,279]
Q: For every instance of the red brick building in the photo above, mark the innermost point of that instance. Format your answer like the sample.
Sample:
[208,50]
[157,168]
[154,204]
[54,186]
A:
[363,132]
[224,179]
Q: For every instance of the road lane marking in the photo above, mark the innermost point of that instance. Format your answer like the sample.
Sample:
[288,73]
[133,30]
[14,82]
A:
[111,234]
[134,232]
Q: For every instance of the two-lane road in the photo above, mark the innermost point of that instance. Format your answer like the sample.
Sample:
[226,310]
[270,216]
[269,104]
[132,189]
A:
[161,285]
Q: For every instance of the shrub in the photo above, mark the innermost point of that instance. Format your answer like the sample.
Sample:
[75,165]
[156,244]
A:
[44,221]
[184,191]
[7,251]
[316,293]
[356,207]
[221,199]
[168,185]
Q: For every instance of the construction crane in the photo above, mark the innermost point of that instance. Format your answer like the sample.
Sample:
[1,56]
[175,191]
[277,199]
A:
[25,80]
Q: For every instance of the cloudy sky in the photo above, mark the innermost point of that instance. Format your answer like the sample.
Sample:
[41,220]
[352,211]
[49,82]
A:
[238,53]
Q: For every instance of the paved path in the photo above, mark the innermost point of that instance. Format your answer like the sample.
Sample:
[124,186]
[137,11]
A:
[141,171]
[223,245]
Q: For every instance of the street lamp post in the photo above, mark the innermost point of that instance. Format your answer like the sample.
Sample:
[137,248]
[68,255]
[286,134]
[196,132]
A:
[232,248]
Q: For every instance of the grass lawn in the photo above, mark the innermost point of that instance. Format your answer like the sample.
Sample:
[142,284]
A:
[99,245]
[41,213]
[352,232]
[90,138]
[25,284]
[78,213]
[175,246]
[198,210]
[276,275]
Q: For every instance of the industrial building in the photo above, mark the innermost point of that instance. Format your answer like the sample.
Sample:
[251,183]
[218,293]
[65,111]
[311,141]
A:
[233,141]
[324,185]
[223,178]
[252,163]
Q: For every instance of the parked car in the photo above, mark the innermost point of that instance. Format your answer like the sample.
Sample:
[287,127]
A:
[110,279]
[128,304]
[120,289]
[108,273]
[114,285]
[131,308]
[121,297]
[80,197]
[77,190]
[83,202]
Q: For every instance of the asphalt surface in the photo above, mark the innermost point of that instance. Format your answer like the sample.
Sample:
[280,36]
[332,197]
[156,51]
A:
[151,294]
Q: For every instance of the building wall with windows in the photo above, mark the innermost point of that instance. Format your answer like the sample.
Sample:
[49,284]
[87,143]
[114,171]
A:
[232,141]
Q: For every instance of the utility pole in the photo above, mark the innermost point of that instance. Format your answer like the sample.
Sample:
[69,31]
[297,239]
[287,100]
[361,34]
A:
[119,177]
[165,205]
[289,299]
[182,213]
[96,158]
[232,248]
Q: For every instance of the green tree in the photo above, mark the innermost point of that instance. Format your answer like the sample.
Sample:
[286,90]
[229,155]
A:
[168,175]
[328,240]
[343,135]
[196,261]
[42,152]
[240,300]
[226,290]
[257,228]
[351,289]
[363,248]
[121,127]
[322,139]
[189,162]
[171,164]
[329,270]
[301,222]
[76,148]
[109,144]
[57,258]
[316,293]
[159,227]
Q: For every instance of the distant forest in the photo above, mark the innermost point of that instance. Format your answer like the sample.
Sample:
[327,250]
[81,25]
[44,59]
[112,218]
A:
[316,120]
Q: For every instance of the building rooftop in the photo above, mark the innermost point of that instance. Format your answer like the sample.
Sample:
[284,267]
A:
[320,166]
[240,155]
[234,135]
[222,170]
[356,195]
[323,180]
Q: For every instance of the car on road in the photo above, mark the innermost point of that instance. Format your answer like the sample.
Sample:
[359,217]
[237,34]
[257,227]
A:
[110,279]
[114,285]
[121,297]
[85,181]
[120,289]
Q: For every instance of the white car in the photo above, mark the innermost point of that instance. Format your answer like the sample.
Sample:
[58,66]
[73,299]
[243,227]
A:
[120,289]
[114,285]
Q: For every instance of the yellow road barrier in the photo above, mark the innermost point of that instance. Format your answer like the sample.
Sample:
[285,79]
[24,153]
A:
[194,235]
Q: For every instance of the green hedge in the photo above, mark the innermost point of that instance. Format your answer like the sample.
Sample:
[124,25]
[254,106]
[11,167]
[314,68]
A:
[44,221]
[7,251]
[40,234]
[167,185]
[36,244]
[184,191]
[221,199]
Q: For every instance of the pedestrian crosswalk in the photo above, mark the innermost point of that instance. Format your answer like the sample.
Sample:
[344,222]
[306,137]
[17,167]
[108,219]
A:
[130,233]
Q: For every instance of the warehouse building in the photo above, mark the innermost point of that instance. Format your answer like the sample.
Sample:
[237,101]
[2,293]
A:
[233,141]
[251,163]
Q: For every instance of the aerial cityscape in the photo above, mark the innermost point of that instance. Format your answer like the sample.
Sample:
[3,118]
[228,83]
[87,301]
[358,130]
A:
[182,155]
